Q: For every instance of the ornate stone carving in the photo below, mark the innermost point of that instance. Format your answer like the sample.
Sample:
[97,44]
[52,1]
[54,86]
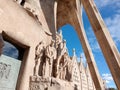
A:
[63,67]
[39,83]
[61,50]
[59,38]
[50,54]
[55,64]
[39,52]
[33,10]
[4,70]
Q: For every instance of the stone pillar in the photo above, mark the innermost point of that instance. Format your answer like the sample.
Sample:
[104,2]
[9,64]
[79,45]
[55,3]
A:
[87,50]
[105,41]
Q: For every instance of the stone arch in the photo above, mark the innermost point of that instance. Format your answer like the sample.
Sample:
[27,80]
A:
[72,32]
[71,12]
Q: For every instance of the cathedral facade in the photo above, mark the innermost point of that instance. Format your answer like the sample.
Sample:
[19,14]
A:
[33,54]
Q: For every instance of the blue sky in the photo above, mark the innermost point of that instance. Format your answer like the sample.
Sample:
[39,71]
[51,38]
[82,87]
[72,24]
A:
[110,12]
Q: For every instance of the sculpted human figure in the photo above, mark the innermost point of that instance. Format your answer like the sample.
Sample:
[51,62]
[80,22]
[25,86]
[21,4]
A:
[39,51]
[7,71]
[61,50]
[4,70]
[66,60]
[34,8]
[63,66]
[50,54]
[58,38]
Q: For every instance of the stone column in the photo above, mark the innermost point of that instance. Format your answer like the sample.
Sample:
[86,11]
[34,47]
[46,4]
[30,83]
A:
[87,50]
[105,41]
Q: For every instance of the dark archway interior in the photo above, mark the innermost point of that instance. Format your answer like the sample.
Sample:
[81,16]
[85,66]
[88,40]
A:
[12,50]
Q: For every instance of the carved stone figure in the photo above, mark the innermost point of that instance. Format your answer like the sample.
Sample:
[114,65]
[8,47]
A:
[61,50]
[50,54]
[66,60]
[39,51]
[4,70]
[33,10]
[58,38]
[63,66]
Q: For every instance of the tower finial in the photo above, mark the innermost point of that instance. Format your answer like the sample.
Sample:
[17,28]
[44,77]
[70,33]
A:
[81,58]
[74,52]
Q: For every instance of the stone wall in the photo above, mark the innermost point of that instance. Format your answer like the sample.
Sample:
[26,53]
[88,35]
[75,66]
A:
[19,27]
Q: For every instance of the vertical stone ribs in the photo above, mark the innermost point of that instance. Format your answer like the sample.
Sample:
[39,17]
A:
[105,41]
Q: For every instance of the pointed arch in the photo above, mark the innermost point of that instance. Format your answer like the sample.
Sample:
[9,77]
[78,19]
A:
[70,11]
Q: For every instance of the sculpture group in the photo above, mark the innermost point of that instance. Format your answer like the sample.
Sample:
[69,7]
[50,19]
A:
[42,18]
[52,60]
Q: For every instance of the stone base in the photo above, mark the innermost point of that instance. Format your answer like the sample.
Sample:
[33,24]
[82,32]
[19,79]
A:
[40,83]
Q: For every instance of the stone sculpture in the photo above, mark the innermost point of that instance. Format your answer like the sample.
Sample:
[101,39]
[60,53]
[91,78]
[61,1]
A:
[55,64]
[59,38]
[61,50]
[39,52]
[50,54]
[4,70]
[63,66]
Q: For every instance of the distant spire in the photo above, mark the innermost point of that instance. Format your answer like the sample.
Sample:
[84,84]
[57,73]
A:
[81,57]
[74,53]
[60,32]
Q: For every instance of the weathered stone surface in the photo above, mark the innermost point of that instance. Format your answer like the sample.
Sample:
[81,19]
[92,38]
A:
[40,83]
[9,71]
[58,70]
[20,28]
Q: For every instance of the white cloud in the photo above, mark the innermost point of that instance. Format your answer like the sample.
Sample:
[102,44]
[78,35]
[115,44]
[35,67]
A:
[92,40]
[107,77]
[113,24]
[104,3]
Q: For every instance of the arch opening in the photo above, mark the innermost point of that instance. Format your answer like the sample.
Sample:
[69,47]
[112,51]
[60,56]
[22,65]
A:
[14,55]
